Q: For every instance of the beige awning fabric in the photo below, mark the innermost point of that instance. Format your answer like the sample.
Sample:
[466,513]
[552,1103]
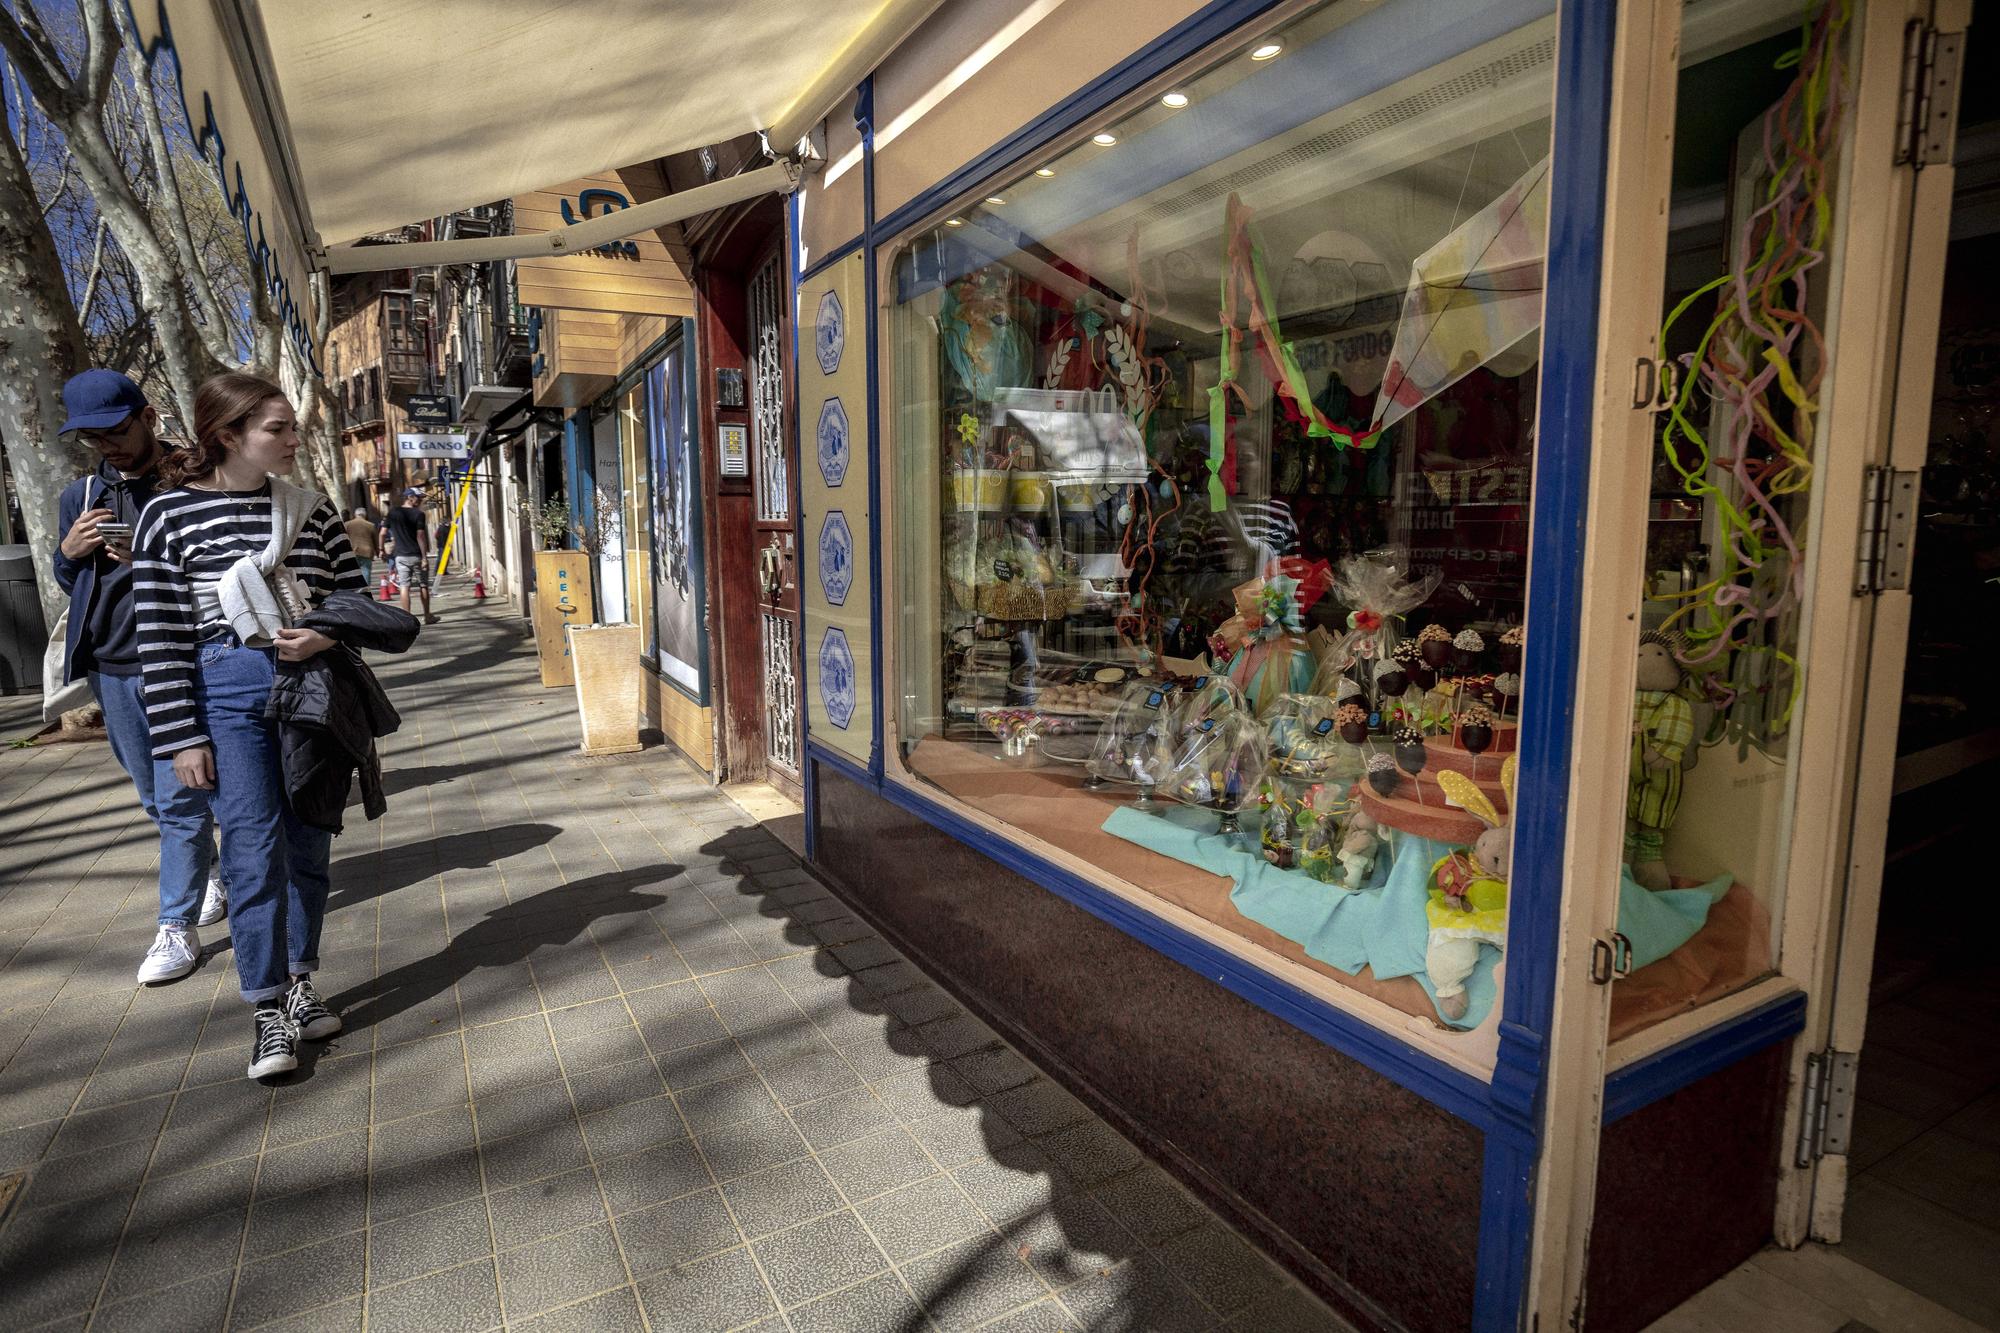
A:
[405,109]
[335,119]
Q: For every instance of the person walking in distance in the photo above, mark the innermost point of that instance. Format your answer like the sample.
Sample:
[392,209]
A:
[228,558]
[361,536]
[97,514]
[410,543]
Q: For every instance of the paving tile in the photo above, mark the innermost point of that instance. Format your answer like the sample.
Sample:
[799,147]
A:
[1090,1153]
[613,1312]
[543,1208]
[411,1246]
[111,1085]
[298,1220]
[1143,1294]
[976,1280]
[275,1288]
[1070,1239]
[458,1300]
[584,1019]
[202,1303]
[809,1078]
[1012,1182]
[820,1257]
[751,1145]
[952,1037]
[615,1085]
[422,1136]
[676,1232]
[518,1110]
[653,1176]
[879,1303]
[727,1102]
[1039,1107]
[55,1259]
[782,1196]
[723,1291]
[921,1092]
[1291,1310]
[694,1066]
[1152,1205]
[313,1163]
[874,1165]
[963,1133]
[66,1179]
[600,1050]
[1221,1268]
[297,1119]
[416,1094]
[560,1270]
[841,1117]
[422,1186]
[89,1131]
[780,1043]
[546,1151]
[633,1127]
[920,1218]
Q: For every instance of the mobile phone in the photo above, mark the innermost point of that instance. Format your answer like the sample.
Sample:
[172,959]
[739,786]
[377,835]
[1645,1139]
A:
[117,534]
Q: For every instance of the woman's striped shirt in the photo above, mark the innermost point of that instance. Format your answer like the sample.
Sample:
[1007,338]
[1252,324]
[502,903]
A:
[187,536]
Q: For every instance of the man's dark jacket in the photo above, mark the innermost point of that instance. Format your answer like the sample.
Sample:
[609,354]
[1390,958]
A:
[330,708]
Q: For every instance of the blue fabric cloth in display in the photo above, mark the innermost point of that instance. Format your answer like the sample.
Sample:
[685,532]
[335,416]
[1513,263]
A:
[1383,925]
[1661,921]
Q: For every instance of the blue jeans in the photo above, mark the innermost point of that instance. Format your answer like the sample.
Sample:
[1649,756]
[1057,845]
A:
[187,849]
[274,865]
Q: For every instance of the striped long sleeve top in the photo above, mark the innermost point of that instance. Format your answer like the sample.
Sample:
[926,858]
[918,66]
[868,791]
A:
[189,536]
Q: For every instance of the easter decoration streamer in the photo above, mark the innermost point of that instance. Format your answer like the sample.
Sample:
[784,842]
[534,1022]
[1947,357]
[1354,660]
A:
[1244,281]
[1760,361]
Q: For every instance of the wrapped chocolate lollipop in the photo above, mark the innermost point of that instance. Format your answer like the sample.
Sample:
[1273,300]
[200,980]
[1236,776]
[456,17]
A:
[1507,690]
[1382,775]
[1410,753]
[1465,651]
[1351,721]
[1434,642]
[1512,641]
[1475,729]
[1410,656]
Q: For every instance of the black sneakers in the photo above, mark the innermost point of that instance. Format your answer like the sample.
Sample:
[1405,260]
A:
[276,1047]
[309,1013]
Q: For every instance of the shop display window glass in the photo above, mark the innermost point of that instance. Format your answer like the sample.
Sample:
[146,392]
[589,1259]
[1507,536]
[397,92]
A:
[1215,440]
[635,509]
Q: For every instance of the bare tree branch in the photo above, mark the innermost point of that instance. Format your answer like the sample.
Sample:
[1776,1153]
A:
[100,53]
[96,272]
[26,43]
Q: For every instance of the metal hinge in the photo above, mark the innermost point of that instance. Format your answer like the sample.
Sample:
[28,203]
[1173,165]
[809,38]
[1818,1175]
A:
[1888,531]
[1927,113]
[1610,958]
[1826,1123]
[1654,384]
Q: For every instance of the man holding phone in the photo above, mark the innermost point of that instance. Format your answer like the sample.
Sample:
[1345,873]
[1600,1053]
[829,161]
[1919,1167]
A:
[93,564]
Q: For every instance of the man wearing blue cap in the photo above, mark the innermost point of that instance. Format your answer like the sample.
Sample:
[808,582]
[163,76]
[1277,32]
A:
[93,564]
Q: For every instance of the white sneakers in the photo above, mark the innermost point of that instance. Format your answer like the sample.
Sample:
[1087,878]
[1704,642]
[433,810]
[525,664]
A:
[214,903]
[174,953]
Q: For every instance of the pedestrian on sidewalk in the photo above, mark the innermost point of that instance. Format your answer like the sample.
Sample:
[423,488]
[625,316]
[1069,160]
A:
[229,557]
[97,514]
[409,541]
[361,536]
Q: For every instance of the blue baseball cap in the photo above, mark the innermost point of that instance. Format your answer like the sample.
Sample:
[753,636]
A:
[99,400]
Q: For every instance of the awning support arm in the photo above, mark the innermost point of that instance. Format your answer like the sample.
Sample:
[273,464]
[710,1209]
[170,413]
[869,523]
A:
[781,177]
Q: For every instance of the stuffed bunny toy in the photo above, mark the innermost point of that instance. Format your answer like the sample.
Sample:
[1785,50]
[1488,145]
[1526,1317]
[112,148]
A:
[1468,899]
[1357,850]
[1662,727]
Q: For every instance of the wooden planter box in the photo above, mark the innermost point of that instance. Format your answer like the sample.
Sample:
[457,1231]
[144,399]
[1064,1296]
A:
[606,660]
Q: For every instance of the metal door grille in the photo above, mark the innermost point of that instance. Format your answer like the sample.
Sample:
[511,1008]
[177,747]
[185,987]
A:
[767,375]
[781,692]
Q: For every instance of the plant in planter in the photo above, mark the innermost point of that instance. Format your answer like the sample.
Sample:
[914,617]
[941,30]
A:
[549,523]
[606,657]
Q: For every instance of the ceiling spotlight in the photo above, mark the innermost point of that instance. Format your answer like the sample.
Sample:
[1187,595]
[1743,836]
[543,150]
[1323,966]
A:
[1174,101]
[1266,50]
[995,200]
[1104,138]
[954,222]
[1045,172]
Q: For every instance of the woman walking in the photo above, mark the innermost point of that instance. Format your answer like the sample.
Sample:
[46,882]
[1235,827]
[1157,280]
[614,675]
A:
[227,558]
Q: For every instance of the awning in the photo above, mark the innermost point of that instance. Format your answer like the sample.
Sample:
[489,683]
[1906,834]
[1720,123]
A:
[334,119]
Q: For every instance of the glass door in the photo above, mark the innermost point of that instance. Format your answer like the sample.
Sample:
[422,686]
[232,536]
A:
[1759,214]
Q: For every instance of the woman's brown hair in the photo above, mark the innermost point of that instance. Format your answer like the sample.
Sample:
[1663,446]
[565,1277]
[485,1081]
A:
[223,402]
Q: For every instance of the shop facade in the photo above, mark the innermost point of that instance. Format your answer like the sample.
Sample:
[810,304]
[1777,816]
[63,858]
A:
[1348,588]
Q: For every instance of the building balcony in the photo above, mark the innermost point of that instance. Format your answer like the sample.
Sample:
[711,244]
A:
[403,367]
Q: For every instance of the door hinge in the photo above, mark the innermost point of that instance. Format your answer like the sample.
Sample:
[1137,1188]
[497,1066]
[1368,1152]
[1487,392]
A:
[1610,958]
[1927,112]
[1888,531]
[1826,1121]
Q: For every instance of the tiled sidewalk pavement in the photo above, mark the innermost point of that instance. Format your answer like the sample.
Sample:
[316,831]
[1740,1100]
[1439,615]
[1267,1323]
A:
[621,1064]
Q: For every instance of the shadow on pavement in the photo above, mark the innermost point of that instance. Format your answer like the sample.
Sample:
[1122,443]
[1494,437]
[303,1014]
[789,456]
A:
[357,879]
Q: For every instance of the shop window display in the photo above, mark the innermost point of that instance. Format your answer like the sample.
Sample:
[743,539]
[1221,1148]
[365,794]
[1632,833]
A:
[1215,439]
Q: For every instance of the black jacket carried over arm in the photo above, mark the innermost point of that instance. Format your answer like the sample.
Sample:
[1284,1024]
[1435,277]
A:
[330,709]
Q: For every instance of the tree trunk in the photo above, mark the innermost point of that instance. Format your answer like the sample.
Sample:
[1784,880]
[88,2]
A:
[41,345]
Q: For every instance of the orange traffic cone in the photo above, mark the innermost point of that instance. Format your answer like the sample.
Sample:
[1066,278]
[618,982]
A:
[478,586]
[389,591]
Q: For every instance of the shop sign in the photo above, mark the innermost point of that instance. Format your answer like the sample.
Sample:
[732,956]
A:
[644,274]
[836,558]
[836,677]
[829,333]
[434,444]
[734,443]
[833,442]
[431,409]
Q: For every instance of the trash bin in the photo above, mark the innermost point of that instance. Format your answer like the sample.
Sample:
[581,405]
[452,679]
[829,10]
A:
[23,634]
